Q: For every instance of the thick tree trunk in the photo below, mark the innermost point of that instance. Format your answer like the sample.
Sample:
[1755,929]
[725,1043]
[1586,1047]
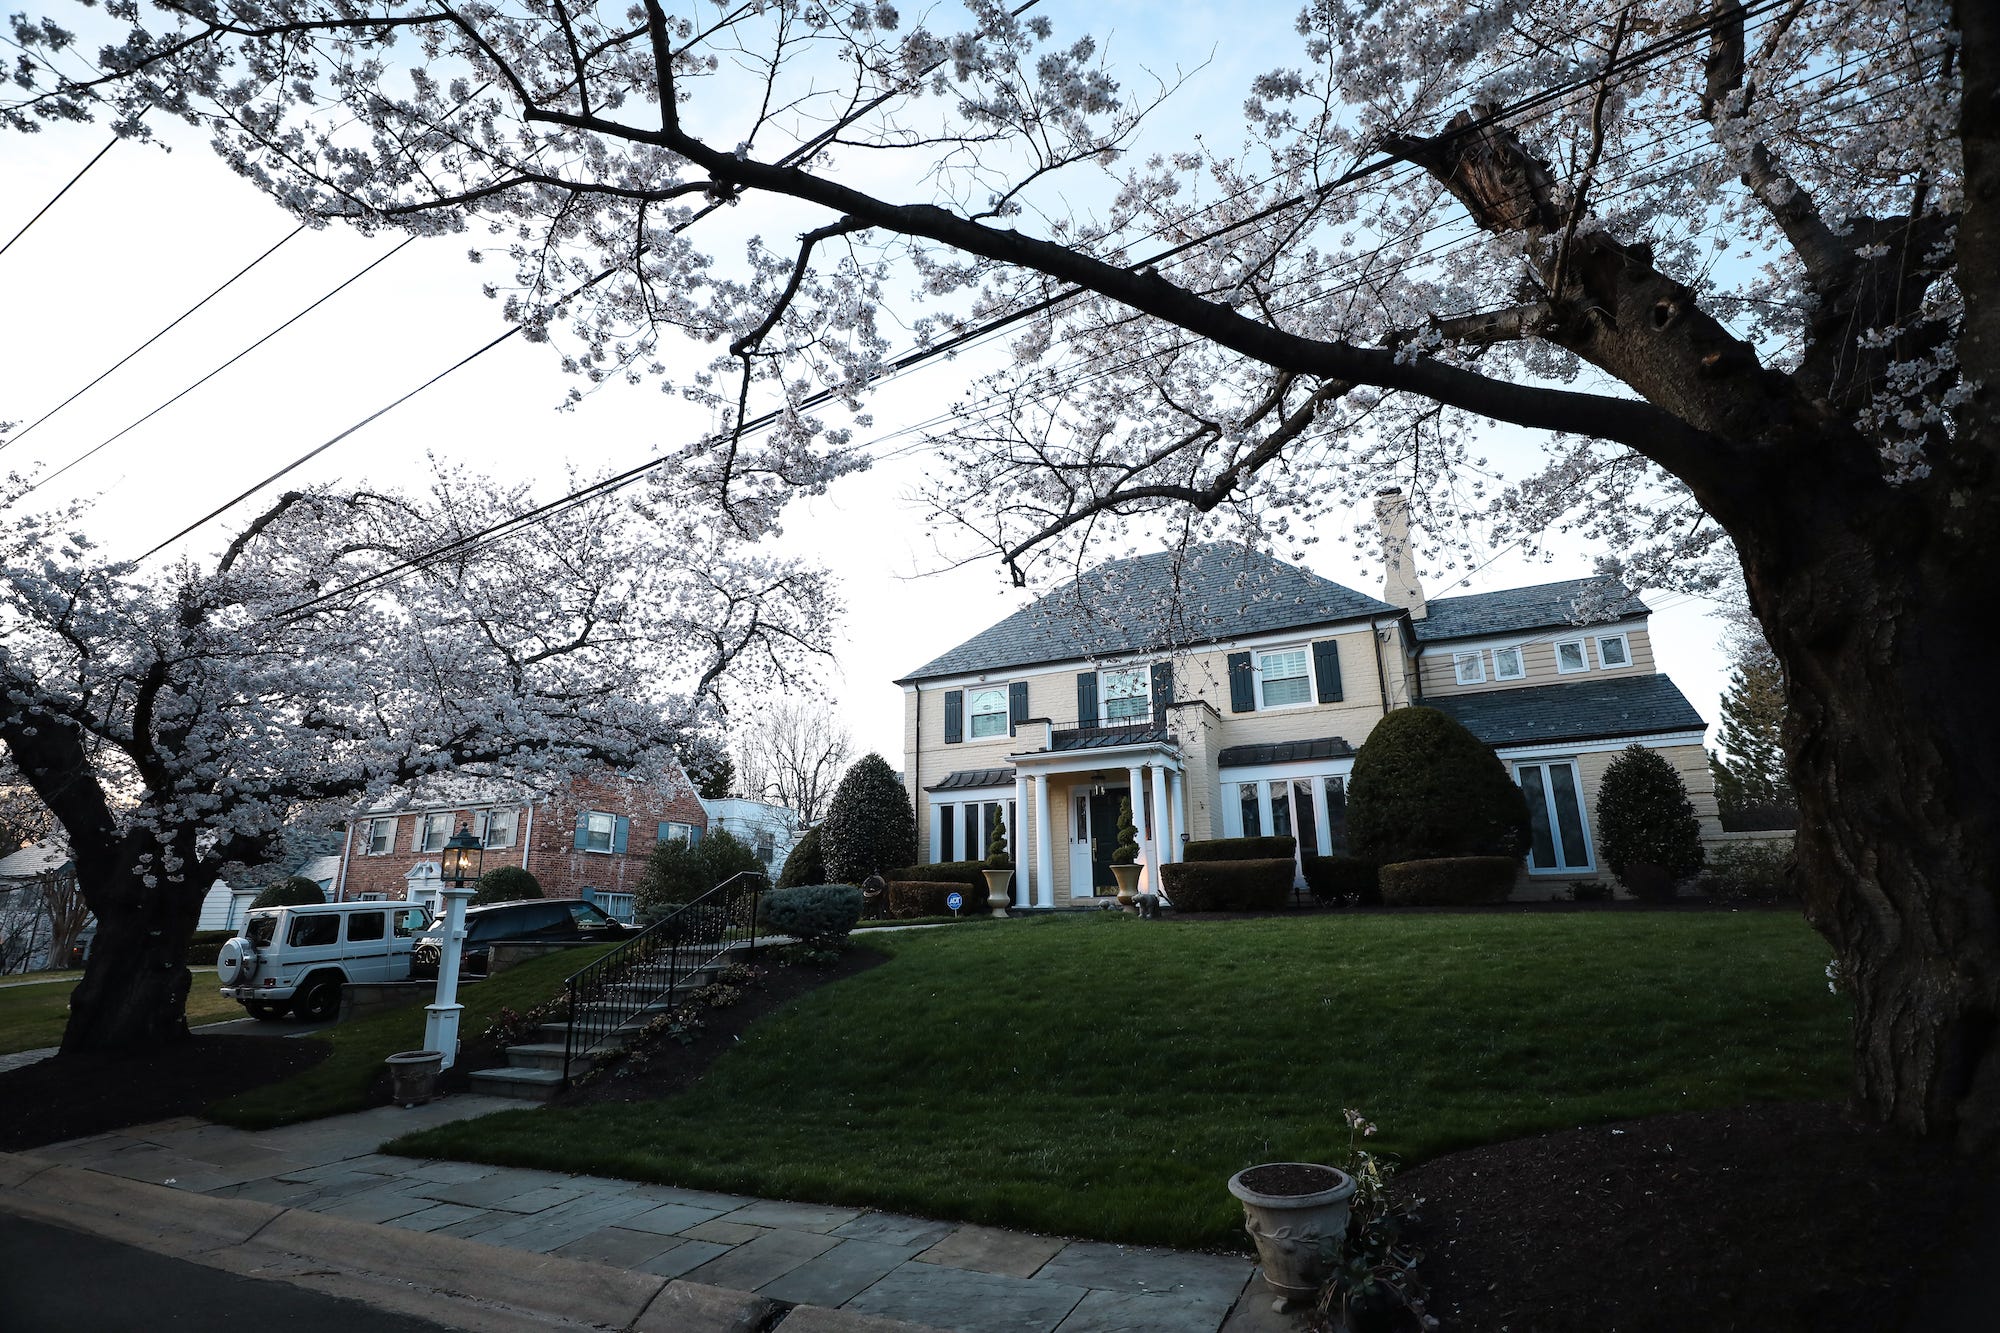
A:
[135,985]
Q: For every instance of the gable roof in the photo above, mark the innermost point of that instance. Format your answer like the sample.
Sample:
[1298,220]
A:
[1539,607]
[1606,709]
[1215,591]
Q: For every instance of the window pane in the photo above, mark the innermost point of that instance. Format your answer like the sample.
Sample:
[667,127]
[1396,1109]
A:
[1280,692]
[1569,656]
[1336,815]
[598,832]
[364,926]
[1471,668]
[1543,855]
[500,828]
[989,713]
[1569,814]
[1611,651]
[309,931]
[1507,663]
[1281,811]
[974,849]
[1246,795]
[1302,803]
[1125,693]
[1082,826]
[947,829]
[409,922]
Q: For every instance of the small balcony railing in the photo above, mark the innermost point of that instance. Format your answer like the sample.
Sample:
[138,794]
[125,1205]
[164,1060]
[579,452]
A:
[1101,732]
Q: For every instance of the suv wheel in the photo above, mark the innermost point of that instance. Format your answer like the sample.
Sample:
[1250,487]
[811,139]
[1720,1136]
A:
[266,1011]
[319,999]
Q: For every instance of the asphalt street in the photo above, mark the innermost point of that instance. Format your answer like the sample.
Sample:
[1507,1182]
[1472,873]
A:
[57,1281]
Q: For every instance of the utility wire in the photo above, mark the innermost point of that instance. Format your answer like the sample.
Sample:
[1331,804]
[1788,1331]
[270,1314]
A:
[58,195]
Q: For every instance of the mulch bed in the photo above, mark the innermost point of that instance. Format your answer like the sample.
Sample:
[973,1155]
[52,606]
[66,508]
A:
[1771,1218]
[71,1096]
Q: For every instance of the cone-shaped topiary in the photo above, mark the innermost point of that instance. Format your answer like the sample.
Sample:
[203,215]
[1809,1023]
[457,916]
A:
[869,827]
[998,856]
[804,864]
[505,884]
[1424,787]
[1644,816]
[291,891]
[1127,850]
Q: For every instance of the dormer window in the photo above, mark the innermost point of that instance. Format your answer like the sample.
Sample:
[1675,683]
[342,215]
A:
[988,709]
[1507,664]
[1470,668]
[1570,657]
[1613,651]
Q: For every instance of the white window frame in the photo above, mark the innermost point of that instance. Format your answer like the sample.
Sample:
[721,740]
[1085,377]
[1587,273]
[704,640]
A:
[1477,675]
[1545,763]
[590,830]
[1582,647]
[679,832]
[425,823]
[1105,696]
[972,714]
[1305,654]
[1520,671]
[617,906]
[1624,642]
[388,847]
[482,827]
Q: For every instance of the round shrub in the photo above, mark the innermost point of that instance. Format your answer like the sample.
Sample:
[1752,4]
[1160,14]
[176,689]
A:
[869,826]
[1453,881]
[819,915]
[1644,819]
[505,884]
[1228,886]
[291,891]
[803,864]
[678,872]
[1425,787]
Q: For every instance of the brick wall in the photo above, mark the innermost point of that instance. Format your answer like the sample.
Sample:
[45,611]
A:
[544,839]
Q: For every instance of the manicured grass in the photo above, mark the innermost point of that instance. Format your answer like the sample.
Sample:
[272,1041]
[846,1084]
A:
[1102,1076]
[341,1082]
[34,1016]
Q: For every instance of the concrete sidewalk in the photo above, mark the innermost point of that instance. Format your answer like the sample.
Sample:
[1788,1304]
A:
[497,1226]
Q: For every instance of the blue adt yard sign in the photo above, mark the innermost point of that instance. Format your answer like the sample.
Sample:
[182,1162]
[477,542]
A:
[954,901]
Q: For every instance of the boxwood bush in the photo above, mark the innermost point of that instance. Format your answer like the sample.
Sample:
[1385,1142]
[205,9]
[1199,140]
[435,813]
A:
[926,897]
[291,891]
[1240,849]
[204,945]
[803,864]
[1449,881]
[1423,787]
[1229,886]
[819,915]
[506,884]
[964,876]
[1335,879]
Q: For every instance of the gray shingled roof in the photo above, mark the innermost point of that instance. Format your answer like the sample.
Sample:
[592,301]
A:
[1514,609]
[974,777]
[1584,710]
[1207,593]
[1284,752]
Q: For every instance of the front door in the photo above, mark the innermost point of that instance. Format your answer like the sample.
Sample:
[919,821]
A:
[1104,838]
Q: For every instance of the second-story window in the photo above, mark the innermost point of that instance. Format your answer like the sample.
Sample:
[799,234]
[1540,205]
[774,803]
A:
[381,837]
[1507,664]
[1470,668]
[1126,693]
[988,711]
[1613,651]
[1282,678]
[432,830]
[1570,657]
[495,827]
[598,830]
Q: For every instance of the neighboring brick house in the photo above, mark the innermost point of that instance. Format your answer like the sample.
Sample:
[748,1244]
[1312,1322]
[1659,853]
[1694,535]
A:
[589,839]
[1226,691]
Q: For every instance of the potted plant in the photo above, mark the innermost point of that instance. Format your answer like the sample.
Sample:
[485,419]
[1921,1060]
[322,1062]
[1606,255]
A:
[999,870]
[1124,857]
[1296,1214]
[413,1076]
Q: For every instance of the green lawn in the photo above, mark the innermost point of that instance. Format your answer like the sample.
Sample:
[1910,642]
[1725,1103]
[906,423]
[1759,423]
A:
[33,1016]
[341,1082]
[1101,1076]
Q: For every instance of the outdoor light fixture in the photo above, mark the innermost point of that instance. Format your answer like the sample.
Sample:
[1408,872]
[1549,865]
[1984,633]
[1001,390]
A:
[462,857]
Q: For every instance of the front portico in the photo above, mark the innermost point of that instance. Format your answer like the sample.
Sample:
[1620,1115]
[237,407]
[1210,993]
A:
[1072,784]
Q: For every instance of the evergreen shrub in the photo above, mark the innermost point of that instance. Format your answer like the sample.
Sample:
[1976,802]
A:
[921,897]
[679,872]
[1127,851]
[1228,886]
[1240,849]
[1336,879]
[1449,881]
[505,884]
[1424,787]
[1749,872]
[1644,818]
[291,891]
[205,945]
[869,826]
[820,916]
[966,876]
[803,864]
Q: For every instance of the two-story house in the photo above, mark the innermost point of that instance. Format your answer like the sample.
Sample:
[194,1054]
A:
[587,839]
[1225,691]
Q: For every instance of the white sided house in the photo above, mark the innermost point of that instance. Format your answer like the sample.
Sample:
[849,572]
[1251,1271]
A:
[1225,692]
[768,829]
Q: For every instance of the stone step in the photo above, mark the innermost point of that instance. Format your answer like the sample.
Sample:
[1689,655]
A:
[528,1085]
[549,1055]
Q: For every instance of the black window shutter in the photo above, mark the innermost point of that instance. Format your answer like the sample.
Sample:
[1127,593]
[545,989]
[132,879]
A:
[1326,665]
[1242,689]
[954,716]
[1017,705]
[1163,689]
[1086,698]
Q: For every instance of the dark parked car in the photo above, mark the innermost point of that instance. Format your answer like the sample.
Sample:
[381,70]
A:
[532,921]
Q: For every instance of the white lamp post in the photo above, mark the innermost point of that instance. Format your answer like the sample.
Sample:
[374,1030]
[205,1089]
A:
[462,858]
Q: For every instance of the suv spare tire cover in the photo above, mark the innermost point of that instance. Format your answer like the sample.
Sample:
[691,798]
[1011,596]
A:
[236,961]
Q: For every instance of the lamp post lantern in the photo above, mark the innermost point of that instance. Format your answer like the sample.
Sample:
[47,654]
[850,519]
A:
[462,859]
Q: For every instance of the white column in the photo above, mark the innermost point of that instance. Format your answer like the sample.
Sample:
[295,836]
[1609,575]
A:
[1162,820]
[1022,895]
[1045,847]
[441,1016]
[937,831]
[1176,818]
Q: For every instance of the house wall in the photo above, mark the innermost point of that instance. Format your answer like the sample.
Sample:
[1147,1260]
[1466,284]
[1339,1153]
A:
[1689,760]
[1439,679]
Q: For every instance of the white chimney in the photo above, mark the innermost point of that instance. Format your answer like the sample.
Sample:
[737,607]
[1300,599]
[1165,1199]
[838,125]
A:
[1400,585]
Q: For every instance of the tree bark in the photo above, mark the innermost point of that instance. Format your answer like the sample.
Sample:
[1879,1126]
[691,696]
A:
[135,985]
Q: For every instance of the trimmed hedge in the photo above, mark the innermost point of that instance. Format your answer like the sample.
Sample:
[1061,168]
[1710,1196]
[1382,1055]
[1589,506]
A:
[204,945]
[965,875]
[926,897]
[821,915]
[1423,787]
[1335,879]
[1449,881]
[1240,849]
[1229,886]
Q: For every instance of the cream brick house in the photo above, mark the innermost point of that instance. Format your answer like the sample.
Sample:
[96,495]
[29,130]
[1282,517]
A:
[1229,690]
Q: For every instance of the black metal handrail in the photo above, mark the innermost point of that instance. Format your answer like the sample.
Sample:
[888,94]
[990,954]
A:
[652,966]
[1102,731]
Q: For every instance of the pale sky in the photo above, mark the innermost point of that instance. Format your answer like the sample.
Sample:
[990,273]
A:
[147,233]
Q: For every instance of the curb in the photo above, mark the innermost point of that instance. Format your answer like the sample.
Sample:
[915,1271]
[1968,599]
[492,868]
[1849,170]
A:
[459,1283]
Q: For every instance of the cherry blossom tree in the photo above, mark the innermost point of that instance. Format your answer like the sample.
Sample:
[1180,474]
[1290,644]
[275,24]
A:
[176,719]
[1734,262]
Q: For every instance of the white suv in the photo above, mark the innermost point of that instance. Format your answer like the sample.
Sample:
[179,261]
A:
[298,958]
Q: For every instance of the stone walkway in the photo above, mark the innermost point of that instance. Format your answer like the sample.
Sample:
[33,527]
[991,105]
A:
[941,1274]
[19,1058]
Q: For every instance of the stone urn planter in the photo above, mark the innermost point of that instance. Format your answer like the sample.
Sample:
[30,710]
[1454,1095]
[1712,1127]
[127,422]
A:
[413,1076]
[1128,882]
[997,882]
[1296,1212]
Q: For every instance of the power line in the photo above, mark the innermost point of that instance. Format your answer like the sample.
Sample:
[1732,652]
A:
[59,194]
